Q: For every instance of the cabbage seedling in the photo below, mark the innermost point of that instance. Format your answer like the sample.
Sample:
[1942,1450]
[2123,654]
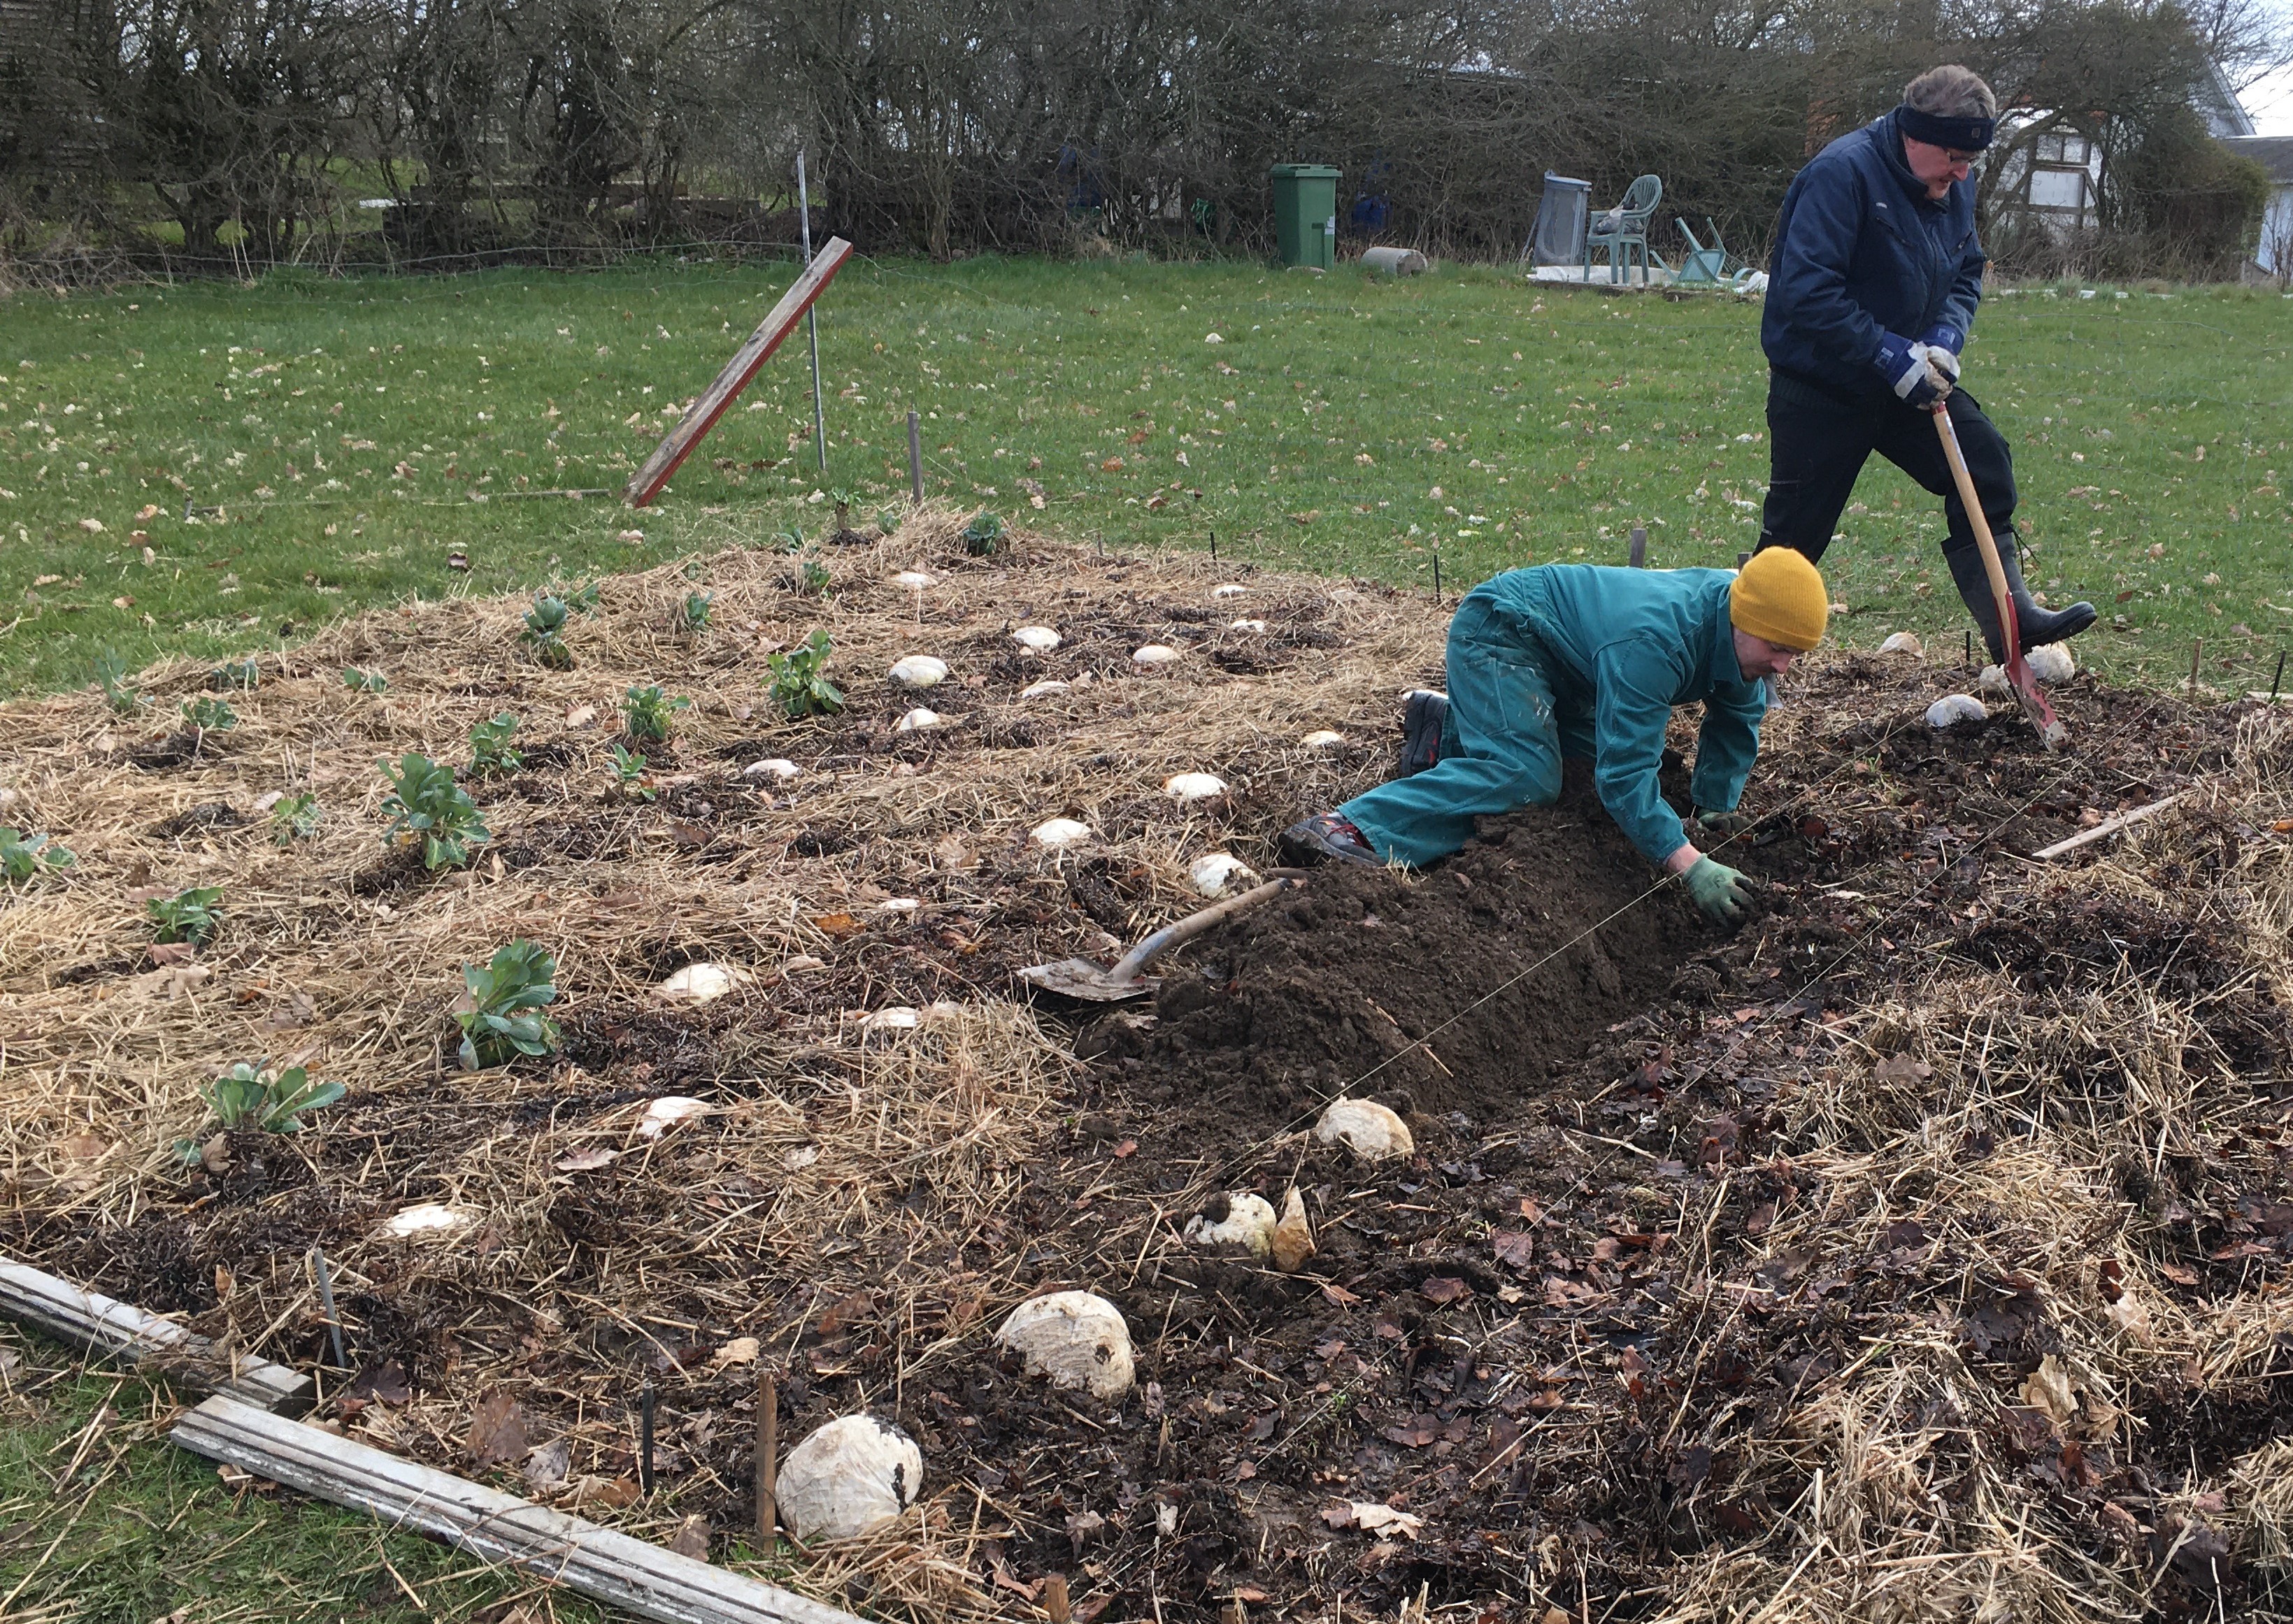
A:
[984,534]
[646,711]
[242,675]
[490,750]
[629,773]
[189,916]
[581,600]
[501,1022]
[111,676]
[295,817]
[797,686]
[22,856]
[787,539]
[364,681]
[426,804]
[693,614]
[545,633]
[257,1097]
[210,716]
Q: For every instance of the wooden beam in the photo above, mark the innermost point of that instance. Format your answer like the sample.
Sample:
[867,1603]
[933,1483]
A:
[2110,826]
[89,1320]
[701,416]
[610,1567]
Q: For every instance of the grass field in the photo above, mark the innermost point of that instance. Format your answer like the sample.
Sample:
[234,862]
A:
[107,1524]
[349,444]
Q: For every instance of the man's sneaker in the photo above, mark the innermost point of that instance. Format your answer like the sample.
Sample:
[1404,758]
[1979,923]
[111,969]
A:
[1326,838]
[1423,714]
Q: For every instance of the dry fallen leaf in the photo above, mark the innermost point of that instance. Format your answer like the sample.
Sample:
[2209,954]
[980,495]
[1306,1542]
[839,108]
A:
[738,1350]
[580,715]
[2049,1389]
[837,925]
[585,1161]
[497,1430]
[1373,1516]
[545,1466]
[691,1539]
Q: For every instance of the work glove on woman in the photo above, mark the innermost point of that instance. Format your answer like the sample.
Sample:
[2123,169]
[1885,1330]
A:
[1723,892]
[1910,372]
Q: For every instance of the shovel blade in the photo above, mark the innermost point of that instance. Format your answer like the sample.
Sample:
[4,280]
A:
[2052,732]
[1079,978]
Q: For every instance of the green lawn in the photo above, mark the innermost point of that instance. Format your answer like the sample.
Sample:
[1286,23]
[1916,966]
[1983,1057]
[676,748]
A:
[347,430]
[103,1522]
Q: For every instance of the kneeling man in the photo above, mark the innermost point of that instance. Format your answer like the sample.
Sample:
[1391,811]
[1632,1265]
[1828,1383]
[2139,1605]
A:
[1584,660]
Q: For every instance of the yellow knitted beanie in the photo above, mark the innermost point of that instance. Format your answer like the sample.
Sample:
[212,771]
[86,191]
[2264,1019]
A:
[1778,595]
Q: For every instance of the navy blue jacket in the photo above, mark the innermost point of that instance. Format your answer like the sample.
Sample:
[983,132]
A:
[1860,252]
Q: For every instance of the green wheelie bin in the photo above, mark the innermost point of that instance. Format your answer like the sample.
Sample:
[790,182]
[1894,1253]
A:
[1306,214]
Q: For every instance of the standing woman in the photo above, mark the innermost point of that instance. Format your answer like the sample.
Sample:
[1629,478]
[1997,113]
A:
[1877,275]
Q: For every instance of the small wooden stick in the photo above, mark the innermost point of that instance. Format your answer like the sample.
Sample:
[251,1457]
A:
[2110,826]
[2196,649]
[768,1445]
[1055,1597]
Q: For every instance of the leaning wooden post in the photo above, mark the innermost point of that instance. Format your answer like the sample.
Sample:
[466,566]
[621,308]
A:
[1055,1597]
[768,1449]
[701,416]
[915,459]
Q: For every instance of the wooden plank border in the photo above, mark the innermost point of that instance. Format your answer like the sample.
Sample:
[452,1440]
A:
[99,1324]
[614,1568]
[701,416]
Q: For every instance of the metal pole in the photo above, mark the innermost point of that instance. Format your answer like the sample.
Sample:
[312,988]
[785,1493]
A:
[812,316]
[916,458]
[1638,556]
[768,1434]
[645,1439]
[2276,680]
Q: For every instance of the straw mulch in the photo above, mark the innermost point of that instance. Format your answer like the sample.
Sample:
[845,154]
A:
[1922,1253]
[881,1175]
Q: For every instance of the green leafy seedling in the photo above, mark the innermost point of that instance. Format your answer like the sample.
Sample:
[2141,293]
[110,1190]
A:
[501,1023]
[629,772]
[425,805]
[812,574]
[236,675]
[888,520]
[189,916]
[208,714]
[693,614]
[255,1097]
[111,676]
[22,856]
[545,633]
[646,712]
[489,748]
[581,600]
[844,499]
[984,534]
[364,681]
[295,817]
[787,539]
[798,686]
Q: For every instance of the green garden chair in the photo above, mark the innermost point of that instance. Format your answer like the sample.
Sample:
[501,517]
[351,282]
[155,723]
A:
[1622,226]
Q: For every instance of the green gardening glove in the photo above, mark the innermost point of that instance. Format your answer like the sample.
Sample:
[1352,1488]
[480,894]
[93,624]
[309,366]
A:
[1724,822]
[1721,892]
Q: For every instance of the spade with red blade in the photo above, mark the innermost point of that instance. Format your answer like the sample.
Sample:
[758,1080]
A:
[2052,733]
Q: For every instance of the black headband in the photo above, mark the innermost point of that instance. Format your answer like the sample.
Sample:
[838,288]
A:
[1958,134]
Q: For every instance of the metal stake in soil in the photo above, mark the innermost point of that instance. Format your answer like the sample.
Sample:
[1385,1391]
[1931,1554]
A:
[1437,575]
[327,1301]
[2275,682]
[644,1440]
[811,317]
[1640,547]
[1214,546]
[915,459]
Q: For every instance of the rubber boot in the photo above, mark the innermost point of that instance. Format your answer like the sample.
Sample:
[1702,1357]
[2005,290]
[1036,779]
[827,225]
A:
[2039,626]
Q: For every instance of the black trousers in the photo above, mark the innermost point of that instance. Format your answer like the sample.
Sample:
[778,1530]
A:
[1817,443]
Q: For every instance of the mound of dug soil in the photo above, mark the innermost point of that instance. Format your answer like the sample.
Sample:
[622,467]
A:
[1467,987]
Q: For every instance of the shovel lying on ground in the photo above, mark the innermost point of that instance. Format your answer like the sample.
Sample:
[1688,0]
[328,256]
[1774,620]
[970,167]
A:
[1079,978]
[2052,733]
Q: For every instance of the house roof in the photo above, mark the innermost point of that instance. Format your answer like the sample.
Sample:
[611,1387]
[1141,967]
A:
[2273,153]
